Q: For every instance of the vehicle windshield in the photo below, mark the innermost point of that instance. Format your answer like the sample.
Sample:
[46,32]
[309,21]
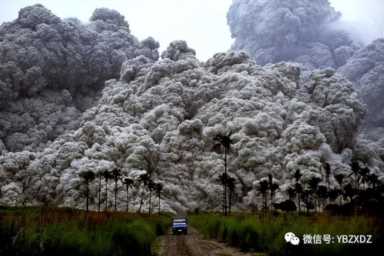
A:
[179,220]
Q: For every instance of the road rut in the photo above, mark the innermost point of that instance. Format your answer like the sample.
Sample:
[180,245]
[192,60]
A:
[194,245]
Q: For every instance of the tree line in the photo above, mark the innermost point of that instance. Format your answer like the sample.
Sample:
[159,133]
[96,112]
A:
[144,180]
[362,191]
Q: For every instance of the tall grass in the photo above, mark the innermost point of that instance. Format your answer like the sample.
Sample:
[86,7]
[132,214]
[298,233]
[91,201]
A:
[70,232]
[265,233]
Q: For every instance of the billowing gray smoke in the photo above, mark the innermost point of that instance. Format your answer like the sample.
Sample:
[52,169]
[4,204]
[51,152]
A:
[299,30]
[161,119]
[366,69]
[52,69]
[309,32]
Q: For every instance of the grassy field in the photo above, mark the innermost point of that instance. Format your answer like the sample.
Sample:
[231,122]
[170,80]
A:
[39,231]
[265,233]
[35,231]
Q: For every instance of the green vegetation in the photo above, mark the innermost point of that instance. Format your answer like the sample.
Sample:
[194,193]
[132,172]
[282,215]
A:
[35,231]
[265,232]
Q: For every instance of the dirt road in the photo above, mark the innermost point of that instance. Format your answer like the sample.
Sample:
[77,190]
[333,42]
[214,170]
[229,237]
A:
[194,245]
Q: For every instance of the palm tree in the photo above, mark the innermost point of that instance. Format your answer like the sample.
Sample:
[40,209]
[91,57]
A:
[26,183]
[313,186]
[340,178]
[151,186]
[224,140]
[349,191]
[223,180]
[231,183]
[327,168]
[116,173]
[298,187]
[143,180]
[306,199]
[263,189]
[291,193]
[87,176]
[299,190]
[355,166]
[333,194]
[99,175]
[373,180]
[149,160]
[158,189]
[128,183]
[107,175]
[272,186]
[364,173]
[322,194]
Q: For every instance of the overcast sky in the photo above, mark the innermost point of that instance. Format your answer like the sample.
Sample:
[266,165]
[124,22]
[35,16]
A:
[202,23]
[365,17]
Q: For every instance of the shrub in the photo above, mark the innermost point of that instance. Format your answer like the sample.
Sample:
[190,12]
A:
[265,233]
[70,232]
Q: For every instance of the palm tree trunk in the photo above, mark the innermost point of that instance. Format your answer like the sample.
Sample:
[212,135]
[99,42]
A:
[99,194]
[141,205]
[150,202]
[298,202]
[141,202]
[106,193]
[357,185]
[127,198]
[115,205]
[229,202]
[87,196]
[159,202]
[225,183]
[265,201]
